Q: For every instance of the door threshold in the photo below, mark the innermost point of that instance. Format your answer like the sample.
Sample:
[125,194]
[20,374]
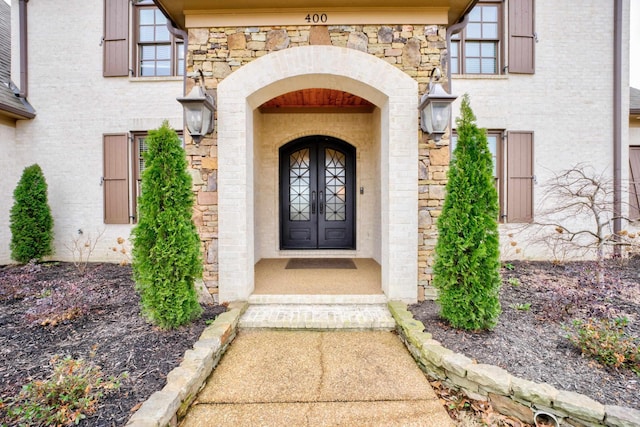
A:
[317,299]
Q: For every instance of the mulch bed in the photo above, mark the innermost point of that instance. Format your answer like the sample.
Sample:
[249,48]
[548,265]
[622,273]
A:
[50,309]
[531,343]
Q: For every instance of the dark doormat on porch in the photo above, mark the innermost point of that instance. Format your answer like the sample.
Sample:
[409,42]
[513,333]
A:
[312,263]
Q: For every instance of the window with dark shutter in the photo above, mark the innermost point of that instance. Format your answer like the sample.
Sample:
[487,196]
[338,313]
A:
[634,183]
[116,178]
[521,37]
[116,38]
[520,177]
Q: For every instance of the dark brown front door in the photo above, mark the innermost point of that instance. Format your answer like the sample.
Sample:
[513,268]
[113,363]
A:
[317,194]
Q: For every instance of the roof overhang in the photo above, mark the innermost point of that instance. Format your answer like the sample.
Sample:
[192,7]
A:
[15,113]
[193,13]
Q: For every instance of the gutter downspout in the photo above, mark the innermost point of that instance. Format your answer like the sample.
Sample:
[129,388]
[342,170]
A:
[617,121]
[181,34]
[454,29]
[24,72]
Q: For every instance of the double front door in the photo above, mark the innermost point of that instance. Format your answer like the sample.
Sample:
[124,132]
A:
[317,194]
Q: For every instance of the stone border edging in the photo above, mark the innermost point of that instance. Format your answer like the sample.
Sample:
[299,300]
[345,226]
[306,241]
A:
[165,407]
[509,395]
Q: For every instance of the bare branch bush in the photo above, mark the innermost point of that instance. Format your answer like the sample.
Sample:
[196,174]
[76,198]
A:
[123,250]
[577,216]
[82,247]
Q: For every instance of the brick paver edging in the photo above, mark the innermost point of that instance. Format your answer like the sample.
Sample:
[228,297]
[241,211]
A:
[509,395]
[165,407]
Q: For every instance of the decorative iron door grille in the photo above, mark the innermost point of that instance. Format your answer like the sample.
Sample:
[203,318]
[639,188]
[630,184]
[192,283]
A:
[317,194]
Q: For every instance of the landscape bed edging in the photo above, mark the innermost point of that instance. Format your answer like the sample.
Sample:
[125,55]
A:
[509,395]
[167,406]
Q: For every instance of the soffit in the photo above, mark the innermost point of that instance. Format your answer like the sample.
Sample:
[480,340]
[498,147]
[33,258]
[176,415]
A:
[175,9]
[317,99]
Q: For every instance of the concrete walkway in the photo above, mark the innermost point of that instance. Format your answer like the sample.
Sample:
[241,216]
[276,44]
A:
[311,378]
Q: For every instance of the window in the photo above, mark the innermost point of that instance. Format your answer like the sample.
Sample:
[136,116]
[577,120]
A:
[158,53]
[155,51]
[476,50]
[123,167]
[479,48]
[513,173]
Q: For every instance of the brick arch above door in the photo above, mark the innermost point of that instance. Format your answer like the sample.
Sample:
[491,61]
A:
[392,91]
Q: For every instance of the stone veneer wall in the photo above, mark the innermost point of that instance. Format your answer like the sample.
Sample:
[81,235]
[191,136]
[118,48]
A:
[415,49]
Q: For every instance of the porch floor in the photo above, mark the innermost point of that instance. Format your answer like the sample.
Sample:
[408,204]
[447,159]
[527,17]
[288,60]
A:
[272,278]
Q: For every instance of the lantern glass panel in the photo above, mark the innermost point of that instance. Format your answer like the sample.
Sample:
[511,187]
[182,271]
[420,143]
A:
[440,115]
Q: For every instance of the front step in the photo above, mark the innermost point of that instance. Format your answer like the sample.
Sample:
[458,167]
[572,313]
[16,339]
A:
[379,299]
[318,317]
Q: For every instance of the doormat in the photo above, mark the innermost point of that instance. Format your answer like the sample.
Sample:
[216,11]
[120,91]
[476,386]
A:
[323,263]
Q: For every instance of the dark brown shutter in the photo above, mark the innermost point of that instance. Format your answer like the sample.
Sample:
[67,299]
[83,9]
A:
[520,177]
[634,182]
[521,37]
[116,38]
[116,179]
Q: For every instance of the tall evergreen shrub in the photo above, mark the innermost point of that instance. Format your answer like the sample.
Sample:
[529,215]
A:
[166,246]
[467,258]
[30,219]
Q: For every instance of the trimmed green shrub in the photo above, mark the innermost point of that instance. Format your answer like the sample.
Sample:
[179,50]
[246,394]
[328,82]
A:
[467,257]
[166,246]
[31,222]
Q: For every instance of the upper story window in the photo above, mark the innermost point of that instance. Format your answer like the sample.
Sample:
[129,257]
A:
[153,52]
[158,52]
[477,49]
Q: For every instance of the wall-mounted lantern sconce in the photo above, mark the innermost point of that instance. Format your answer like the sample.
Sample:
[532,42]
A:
[199,107]
[435,107]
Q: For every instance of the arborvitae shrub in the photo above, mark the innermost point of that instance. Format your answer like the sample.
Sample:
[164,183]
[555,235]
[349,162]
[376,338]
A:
[166,246]
[30,218]
[467,257]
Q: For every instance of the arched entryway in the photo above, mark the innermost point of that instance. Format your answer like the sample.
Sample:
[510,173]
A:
[317,194]
[242,145]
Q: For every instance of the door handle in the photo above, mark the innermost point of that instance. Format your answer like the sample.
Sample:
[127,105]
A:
[321,203]
[313,202]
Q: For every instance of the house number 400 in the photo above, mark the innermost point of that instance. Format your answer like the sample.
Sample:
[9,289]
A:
[316,17]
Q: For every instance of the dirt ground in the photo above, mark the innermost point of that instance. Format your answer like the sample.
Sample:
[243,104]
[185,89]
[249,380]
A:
[49,309]
[538,300]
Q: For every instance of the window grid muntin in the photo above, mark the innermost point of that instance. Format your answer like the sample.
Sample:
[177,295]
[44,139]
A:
[484,31]
[164,54]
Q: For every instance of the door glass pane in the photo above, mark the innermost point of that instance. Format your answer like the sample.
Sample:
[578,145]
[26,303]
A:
[299,181]
[335,185]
